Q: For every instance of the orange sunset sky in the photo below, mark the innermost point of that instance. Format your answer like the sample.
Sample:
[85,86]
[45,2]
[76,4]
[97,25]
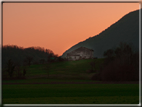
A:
[58,26]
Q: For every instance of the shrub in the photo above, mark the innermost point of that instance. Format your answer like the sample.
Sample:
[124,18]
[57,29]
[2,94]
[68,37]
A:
[120,70]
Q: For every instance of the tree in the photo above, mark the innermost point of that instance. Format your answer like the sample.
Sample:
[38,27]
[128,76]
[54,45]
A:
[109,53]
[24,72]
[121,64]
[10,68]
[123,50]
[18,72]
[28,60]
[42,61]
[51,57]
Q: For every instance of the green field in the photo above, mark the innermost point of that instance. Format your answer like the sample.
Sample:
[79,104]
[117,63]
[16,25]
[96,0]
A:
[71,93]
[61,70]
[37,88]
[67,70]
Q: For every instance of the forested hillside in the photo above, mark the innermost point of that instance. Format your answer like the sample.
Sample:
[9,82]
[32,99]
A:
[21,56]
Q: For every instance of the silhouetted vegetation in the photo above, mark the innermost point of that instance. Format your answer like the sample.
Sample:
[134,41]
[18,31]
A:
[18,73]
[24,72]
[10,68]
[121,64]
[60,59]
[42,61]
[12,71]
[29,60]
[14,58]
[25,56]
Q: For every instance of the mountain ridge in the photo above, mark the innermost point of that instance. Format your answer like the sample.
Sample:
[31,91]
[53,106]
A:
[125,30]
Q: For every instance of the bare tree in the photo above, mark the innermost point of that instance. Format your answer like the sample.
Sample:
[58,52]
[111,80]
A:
[29,60]
[10,67]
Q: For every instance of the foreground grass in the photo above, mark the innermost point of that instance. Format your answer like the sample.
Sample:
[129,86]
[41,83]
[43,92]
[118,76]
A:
[44,80]
[68,71]
[75,100]
[70,93]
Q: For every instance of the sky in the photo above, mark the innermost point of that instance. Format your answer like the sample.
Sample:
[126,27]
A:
[58,26]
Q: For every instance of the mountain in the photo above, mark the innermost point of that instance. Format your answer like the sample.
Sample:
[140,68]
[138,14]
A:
[125,30]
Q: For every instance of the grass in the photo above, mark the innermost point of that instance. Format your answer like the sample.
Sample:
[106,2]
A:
[75,100]
[63,67]
[45,80]
[61,70]
[75,93]
[68,71]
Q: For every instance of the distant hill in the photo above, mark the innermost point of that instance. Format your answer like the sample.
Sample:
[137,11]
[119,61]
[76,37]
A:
[125,30]
[18,54]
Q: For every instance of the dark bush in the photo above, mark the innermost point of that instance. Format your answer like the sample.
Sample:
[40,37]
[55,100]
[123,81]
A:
[120,70]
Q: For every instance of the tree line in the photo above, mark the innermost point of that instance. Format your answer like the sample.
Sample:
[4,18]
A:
[120,64]
[15,59]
